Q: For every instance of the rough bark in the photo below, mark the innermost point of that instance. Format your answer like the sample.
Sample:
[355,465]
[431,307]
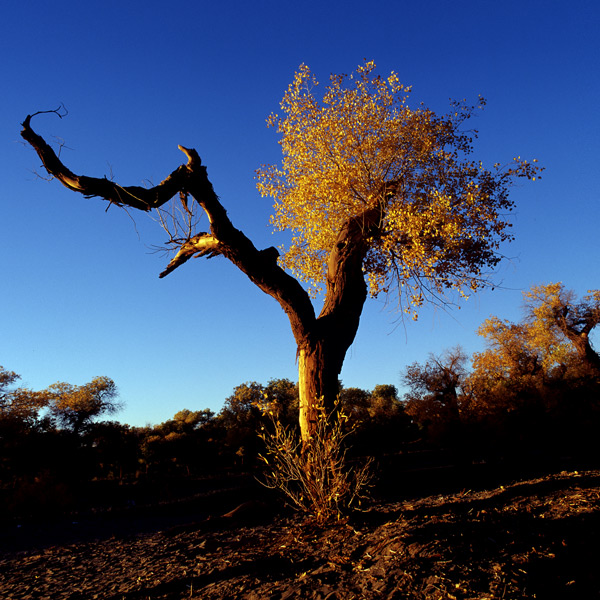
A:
[577,328]
[322,355]
[583,346]
[224,239]
[322,342]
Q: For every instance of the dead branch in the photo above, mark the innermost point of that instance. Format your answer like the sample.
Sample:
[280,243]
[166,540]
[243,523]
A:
[224,239]
[134,196]
[202,244]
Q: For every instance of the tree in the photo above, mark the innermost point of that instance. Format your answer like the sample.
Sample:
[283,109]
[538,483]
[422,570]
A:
[116,450]
[19,425]
[19,407]
[7,379]
[188,421]
[554,314]
[75,406]
[434,390]
[549,344]
[536,383]
[183,442]
[379,197]
[243,406]
[384,402]
[355,403]
[243,412]
[377,419]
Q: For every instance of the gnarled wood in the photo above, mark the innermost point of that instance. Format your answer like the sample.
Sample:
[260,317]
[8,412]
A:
[202,244]
[224,238]
[322,342]
[135,196]
[321,358]
[576,324]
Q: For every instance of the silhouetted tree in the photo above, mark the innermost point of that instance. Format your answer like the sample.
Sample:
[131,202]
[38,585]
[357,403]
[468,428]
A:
[115,450]
[186,443]
[436,384]
[432,399]
[355,403]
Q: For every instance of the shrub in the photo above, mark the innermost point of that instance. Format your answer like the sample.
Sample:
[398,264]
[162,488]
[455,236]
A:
[315,476]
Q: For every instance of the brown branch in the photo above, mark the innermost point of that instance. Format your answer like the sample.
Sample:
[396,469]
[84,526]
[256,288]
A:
[135,196]
[344,268]
[202,244]
[260,266]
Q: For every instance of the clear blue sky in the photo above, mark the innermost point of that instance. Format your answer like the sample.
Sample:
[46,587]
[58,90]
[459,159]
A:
[80,291]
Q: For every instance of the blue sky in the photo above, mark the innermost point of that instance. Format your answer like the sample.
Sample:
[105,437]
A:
[80,290]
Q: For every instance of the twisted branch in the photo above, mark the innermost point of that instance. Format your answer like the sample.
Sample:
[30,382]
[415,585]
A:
[135,196]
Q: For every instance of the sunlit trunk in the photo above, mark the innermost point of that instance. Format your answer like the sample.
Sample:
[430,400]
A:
[319,366]
[321,351]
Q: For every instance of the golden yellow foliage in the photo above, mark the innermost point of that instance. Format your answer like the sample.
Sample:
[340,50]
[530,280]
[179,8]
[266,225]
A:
[518,348]
[75,405]
[548,345]
[552,308]
[360,146]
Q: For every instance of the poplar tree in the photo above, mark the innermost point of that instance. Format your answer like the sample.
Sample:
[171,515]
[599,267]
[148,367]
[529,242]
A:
[379,197]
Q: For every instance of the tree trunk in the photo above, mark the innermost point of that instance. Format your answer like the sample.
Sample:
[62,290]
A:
[319,366]
[321,354]
[587,354]
[577,327]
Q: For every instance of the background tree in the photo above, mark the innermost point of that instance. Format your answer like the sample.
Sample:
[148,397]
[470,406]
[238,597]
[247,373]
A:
[554,314]
[536,383]
[242,413]
[513,369]
[182,444]
[379,197]
[19,407]
[187,421]
[524,359]
[22,452]
[385,403]
[116,450]
[435,392]
[74,407]
[355,403]
[7,379]
[379,421]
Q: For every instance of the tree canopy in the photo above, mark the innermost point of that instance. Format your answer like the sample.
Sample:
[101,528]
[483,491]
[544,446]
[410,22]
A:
[74,406]
[434,217]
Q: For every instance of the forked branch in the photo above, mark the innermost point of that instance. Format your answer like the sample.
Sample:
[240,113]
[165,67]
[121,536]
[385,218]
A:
[224,239]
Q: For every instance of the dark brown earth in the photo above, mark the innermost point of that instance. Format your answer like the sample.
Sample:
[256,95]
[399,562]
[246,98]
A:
[538,538]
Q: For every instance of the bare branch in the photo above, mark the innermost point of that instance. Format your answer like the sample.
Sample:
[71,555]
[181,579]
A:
[60,112]
[202,244]
[191,179]
[134,196]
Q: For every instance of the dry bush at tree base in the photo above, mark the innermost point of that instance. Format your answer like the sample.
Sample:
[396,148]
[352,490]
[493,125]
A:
[315,477]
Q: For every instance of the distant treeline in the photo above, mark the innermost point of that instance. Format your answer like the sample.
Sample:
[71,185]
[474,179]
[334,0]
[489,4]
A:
[534,391]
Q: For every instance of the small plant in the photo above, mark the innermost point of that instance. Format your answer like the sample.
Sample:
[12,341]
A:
[315,476]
